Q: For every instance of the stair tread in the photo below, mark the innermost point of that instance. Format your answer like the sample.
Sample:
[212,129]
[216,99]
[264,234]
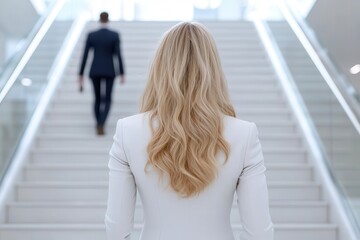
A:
[102,150]
[109,137]
[94,226]
[105,184]
[103,204]
[103,166]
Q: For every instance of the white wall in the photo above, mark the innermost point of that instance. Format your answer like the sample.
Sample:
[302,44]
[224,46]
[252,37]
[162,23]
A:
[337,26]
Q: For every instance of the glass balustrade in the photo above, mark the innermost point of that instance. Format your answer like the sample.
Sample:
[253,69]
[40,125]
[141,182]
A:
[18,105]
[340,140]
[19,22]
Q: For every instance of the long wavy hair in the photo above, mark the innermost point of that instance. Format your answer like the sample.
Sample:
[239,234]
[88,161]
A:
[187,95]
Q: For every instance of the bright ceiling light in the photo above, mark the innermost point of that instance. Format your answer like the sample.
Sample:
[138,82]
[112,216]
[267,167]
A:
[26,82]
[355,69]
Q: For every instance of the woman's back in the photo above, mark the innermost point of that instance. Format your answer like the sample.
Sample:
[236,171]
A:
[205,216]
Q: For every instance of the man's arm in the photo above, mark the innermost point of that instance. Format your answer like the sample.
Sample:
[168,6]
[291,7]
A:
[118,54]
[83,63]
[85,55]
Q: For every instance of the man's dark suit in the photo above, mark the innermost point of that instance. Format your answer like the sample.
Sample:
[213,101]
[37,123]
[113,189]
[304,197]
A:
[105,45]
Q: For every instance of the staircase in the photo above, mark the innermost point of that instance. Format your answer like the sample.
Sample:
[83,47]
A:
[64,188]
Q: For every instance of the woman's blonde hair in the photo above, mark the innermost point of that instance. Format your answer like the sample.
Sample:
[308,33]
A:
[187,94]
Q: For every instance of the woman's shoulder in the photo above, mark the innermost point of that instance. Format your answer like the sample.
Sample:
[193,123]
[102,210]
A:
[236,129]
[135,121]
[134,117]
[230,121]
[134,128]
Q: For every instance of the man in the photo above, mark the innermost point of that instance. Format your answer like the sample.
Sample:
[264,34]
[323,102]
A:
[105,45]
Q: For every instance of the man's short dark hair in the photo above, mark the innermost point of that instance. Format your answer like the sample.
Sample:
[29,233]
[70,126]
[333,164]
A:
[104,17]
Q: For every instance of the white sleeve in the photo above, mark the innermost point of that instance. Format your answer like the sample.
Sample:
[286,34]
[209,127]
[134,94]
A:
[252,192]
[119,218]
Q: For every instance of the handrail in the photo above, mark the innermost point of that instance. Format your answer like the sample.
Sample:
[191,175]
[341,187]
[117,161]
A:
[321,64]
[30,48]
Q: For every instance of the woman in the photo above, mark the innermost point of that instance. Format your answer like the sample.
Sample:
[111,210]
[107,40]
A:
[186,153]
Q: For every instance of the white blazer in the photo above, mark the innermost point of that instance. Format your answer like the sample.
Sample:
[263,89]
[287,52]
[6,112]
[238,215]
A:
[203,217]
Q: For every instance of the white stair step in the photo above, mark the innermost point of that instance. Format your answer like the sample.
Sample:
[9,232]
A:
[334,122]
[242,110]
[261,123]
[73,172]
[138,54]
[124,96]
[71,123]
[134,100]
[292,212]
[90,141]
[270,114]
[127,93]
[132,79]
[252,82]
[91,137]
[351,188]
[310,87]
[328,130]
[87,112]
[325,109]
[291,141]
[306,231]
[143,70]
[110,129]
[351,144]
[73,129]
[334,117]
[137,86]
[81,156]
[131,26]
[146,61]
[86,117]
[97,231]
[65,142]
[135,89]
[53,142]
[54,231]
[152,38]
[351,173]
[84,212]
[289,172]
[151,41]
[97,191]
[304,69]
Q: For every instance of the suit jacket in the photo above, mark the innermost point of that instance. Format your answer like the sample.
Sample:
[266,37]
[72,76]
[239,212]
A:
[205,216]
[105,44]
